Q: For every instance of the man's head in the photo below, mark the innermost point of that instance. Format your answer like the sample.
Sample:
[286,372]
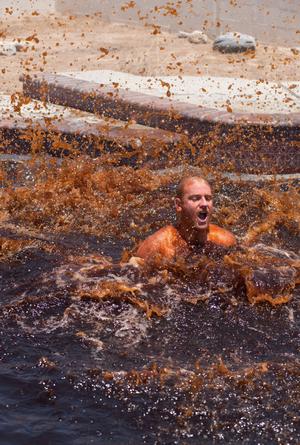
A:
[194,203]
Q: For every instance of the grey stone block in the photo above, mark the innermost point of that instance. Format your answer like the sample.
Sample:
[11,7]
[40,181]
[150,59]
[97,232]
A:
[8,49]
[234,42]
[193,37]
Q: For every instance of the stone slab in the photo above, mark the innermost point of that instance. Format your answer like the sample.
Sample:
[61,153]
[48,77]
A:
[241,142]
[35,126]
[242,95]
[133,102]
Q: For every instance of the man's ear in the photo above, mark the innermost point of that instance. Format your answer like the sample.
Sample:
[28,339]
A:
[178,205]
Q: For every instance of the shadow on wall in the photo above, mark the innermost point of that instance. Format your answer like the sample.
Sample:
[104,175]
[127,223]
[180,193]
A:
[271,22]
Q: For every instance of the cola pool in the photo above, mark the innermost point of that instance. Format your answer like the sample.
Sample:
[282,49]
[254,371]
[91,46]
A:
[94,350]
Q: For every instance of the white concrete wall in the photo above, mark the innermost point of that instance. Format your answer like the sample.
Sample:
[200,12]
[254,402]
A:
[18,7]
[270,21]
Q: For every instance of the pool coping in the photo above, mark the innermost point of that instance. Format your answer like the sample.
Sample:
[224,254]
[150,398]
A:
[142,108]
[59,136]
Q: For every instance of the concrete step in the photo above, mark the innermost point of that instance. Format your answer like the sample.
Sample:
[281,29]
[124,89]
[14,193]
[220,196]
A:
[214,92]
[251,143]
[34,126]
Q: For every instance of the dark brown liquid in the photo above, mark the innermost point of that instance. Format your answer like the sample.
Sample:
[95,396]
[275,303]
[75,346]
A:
[94,350]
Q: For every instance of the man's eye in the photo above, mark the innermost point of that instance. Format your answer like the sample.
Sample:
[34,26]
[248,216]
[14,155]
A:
[208,198]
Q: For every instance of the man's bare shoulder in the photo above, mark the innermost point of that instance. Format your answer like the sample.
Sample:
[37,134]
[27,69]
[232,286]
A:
[157,243]
[221,236]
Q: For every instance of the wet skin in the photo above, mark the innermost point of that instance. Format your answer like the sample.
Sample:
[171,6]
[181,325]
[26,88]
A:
[194,208]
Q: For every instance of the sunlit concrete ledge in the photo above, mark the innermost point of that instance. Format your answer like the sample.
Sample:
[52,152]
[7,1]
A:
[34,127]
[130,95]
[250,142]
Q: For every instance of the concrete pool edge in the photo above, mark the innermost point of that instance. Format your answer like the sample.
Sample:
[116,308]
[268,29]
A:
[21,135]
[94,97]
[250,143]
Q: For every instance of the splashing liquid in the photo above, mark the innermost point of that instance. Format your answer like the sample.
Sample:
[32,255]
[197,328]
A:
[94,349]
[188,347]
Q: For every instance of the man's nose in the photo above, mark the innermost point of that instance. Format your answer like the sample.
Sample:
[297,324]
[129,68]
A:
[203,202]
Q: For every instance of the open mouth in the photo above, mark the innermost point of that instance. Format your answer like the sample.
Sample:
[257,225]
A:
[202,216]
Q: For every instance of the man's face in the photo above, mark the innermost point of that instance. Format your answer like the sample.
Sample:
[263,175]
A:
[195,206]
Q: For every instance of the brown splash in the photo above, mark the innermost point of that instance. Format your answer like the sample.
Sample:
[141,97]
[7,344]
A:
[274,285]
[141,377]
[188,381]
[267,277]
[11,247]
[77,196]
[279,209]
[115,290]
[45,362]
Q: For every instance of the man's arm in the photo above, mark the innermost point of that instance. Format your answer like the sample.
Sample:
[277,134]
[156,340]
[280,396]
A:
[220,236]
[157,247]
[150,248]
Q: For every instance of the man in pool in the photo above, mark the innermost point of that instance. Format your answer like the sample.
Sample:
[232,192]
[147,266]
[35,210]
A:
[193,230]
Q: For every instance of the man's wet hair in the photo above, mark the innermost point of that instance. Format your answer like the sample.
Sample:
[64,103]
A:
[184,180]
